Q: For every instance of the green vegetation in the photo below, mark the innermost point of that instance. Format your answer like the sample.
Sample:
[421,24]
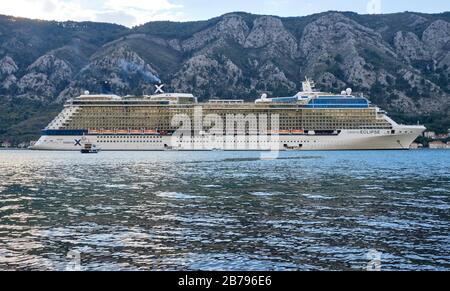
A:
[78,44]
[339,58]
[390,24]
[23,120]
[170,30]
[426,141]
[38,37]
[436,122]
[337,71]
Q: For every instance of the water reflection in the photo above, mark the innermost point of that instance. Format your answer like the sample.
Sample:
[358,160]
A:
[224,211]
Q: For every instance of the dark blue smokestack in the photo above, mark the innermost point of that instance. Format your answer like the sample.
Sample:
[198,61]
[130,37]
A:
[106,87]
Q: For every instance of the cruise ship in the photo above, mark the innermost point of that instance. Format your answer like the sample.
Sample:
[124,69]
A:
[310,120]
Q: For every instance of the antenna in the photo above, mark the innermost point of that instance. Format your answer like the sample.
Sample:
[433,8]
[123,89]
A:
[308,85]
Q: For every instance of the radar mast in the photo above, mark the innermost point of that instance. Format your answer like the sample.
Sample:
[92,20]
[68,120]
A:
[308,85]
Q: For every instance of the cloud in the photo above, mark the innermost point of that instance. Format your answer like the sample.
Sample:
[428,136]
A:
[125,12]
[49,6]
[145,11]
[116,17]
[151,5]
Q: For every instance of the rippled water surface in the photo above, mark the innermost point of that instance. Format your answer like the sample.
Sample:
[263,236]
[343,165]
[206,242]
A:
[224,210]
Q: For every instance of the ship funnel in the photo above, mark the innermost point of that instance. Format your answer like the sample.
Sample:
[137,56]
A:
[106,87]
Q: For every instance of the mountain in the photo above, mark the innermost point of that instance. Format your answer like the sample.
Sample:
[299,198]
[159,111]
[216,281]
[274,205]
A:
[399,61]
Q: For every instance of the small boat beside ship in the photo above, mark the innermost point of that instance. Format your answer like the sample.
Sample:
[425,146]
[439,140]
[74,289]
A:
[90,148]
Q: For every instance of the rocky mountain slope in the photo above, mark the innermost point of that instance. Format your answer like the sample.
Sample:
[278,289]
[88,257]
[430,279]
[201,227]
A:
[400,61]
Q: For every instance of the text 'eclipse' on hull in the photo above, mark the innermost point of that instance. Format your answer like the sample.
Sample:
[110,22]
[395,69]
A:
[310,120]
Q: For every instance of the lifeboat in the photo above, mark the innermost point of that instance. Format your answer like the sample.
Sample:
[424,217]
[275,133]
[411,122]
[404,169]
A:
[94,131]
[282,132]
[297,131]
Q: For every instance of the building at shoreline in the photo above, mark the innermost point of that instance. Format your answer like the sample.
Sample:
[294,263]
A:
[439,145]
[416,146]
[429,134]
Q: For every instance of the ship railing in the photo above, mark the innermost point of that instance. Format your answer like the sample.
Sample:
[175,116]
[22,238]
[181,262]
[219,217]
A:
[125,131]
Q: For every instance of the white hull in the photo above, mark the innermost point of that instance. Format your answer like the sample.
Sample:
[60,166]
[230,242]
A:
[403,137]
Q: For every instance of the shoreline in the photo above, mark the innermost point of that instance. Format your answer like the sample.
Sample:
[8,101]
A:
[27,149]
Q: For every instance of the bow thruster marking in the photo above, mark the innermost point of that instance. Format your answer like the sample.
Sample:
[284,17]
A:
[78,142]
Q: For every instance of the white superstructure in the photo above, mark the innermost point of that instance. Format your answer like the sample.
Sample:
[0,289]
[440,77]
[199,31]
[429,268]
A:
[310,120]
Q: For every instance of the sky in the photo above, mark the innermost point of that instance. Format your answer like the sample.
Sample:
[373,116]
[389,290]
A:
[136,12]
